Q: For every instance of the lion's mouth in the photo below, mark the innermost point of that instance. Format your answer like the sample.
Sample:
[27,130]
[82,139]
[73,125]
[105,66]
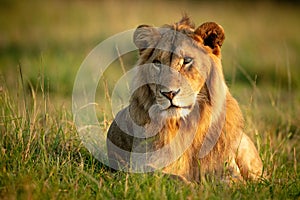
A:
[173,106]
[176,111]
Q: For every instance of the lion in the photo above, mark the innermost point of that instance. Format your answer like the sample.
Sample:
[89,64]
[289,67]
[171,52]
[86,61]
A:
[181,118]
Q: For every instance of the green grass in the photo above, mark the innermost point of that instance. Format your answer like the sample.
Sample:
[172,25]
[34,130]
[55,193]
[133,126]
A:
[42,156]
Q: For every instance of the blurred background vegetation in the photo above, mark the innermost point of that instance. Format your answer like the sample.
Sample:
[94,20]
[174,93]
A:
[262,38]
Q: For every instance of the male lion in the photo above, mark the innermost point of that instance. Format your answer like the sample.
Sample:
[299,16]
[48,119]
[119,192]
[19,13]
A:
[181,118]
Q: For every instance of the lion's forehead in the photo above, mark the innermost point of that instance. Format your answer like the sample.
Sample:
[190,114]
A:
[177,46]
[172,48]
[174,44]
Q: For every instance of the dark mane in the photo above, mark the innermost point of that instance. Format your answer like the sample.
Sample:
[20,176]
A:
[184,25]
[185,22]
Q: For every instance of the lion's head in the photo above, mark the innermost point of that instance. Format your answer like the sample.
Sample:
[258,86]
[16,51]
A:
[178,64]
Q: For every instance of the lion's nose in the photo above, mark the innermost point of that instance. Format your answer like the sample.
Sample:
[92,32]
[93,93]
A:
[170,94]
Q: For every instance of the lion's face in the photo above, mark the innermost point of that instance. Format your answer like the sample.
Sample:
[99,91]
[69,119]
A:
[176,64]
[179,73]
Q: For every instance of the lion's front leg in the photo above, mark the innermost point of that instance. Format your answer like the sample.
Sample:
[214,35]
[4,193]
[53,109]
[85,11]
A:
[248,160]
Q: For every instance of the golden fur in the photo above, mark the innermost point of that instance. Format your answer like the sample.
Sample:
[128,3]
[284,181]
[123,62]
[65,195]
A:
[188,98]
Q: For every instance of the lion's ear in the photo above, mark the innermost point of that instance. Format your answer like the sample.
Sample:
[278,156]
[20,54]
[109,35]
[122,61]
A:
[212,35]
[145,36]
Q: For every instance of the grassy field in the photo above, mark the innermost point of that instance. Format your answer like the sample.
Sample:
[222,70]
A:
[42,46]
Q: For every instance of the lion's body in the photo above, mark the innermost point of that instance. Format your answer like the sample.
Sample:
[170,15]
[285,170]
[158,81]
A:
[190,99]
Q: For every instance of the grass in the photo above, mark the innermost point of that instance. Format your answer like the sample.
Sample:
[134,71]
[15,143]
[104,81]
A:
[42,156]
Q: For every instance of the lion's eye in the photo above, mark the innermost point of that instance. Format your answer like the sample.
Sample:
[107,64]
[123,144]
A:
[157,63]
[187,61]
